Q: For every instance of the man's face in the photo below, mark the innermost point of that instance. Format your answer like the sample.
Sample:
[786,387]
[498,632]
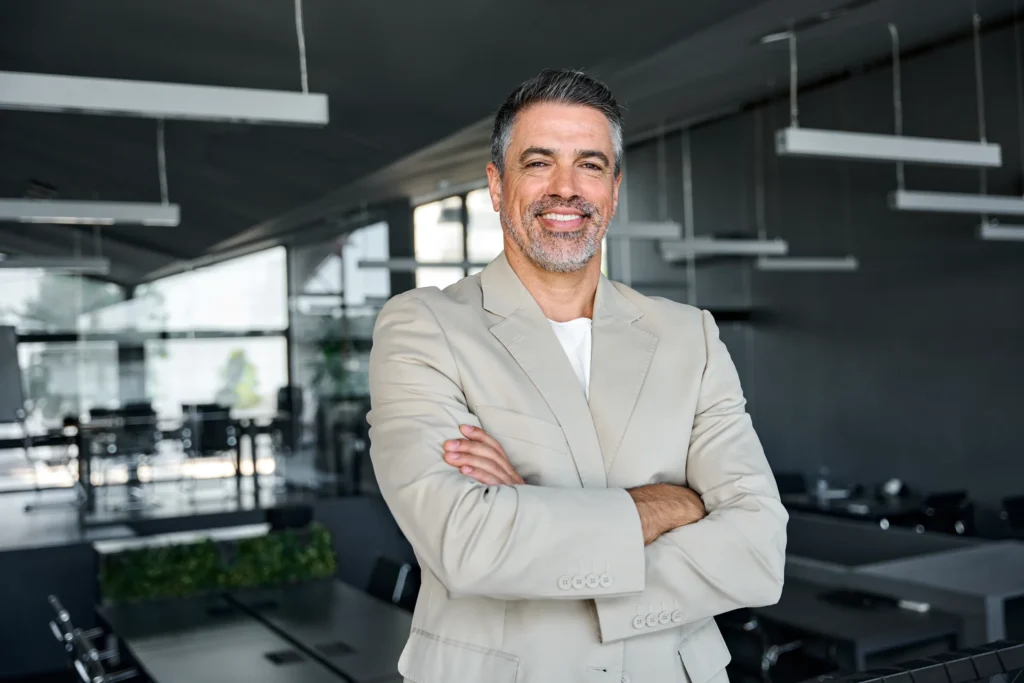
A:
[559,188]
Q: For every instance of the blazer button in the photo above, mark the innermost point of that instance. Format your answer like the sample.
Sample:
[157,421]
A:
[639,622]
[578,582]
[652,619]
[664,618]
[606,581]
[565,582]
[593,581]
[677,616]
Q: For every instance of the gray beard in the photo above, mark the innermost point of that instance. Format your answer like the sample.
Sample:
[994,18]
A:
[565,252]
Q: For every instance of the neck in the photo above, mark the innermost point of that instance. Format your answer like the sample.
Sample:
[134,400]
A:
[561,296]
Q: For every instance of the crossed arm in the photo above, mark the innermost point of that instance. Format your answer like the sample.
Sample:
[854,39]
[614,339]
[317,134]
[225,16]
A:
[507,540]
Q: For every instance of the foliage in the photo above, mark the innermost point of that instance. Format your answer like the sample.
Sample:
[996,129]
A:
[241,385]
[176,571]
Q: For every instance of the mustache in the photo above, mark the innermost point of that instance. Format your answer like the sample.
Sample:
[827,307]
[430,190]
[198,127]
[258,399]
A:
[542,206]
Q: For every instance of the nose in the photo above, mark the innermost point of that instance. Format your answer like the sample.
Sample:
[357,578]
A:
[562,182]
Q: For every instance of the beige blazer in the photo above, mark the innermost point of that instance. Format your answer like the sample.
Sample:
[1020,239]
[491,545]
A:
[551,582]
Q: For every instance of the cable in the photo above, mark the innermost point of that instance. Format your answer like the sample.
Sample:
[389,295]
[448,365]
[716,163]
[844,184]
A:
[794,112]
[300,32]
[897,97]
[161,157]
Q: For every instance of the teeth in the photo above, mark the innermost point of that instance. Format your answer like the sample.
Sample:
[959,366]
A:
[561,216]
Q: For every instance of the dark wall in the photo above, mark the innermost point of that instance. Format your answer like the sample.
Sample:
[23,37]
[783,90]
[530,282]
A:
[913,366]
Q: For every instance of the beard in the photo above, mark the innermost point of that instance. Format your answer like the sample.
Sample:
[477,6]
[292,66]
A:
[555,252]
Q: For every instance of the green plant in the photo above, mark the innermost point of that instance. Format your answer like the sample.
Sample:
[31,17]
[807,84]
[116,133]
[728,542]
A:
[174,571]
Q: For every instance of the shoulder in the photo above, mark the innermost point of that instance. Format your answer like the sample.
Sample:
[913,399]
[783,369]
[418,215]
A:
[431,304]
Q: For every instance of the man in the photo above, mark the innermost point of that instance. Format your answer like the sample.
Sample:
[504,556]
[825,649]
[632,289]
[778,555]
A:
[570,460]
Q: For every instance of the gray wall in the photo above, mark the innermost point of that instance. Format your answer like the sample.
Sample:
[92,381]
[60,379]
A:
[911,367]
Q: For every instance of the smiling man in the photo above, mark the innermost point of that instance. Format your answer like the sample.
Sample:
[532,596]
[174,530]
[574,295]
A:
[571,460]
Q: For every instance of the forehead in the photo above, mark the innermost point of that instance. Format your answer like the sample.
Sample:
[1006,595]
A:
[561,126]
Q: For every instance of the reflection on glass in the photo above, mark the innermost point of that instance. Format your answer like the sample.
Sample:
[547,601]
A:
[437,232]
[483,229]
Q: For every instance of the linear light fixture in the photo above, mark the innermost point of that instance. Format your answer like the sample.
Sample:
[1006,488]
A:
[807,264]
[998,232]
[148,99]
[85,264]
[410,265]
[954,202]
[645,230]
[810,142]
[679,250]
[88,213]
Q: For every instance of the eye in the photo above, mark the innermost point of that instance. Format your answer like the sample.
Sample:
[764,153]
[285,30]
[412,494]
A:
[535,164]
[592,167]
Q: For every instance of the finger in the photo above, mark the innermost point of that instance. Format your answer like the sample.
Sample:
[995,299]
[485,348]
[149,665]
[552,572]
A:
[482,450]
[479,435]
[481,469]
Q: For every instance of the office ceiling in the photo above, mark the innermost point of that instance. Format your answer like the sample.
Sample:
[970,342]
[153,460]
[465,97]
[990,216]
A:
[410,88]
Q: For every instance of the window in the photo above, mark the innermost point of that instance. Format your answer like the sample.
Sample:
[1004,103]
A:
[439,237]
[246,293]
[37,301]
[484,236]
[244,373]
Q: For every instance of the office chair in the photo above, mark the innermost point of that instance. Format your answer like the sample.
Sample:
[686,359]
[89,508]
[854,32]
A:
[207,432]
[82,654]
[129,435]
[1012,513]
[395,582]
[950,512]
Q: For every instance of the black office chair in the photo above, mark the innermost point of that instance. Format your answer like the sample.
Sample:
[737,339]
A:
[130,435]
[950,512]
[207,431]
[1012,513]
[83,656]
[395,582]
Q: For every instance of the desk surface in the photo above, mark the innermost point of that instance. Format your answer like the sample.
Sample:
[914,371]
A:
[991,570]
[358,635]
[870,630]
[191,641]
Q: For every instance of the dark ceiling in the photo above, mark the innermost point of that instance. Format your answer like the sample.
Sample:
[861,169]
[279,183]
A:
[410,92]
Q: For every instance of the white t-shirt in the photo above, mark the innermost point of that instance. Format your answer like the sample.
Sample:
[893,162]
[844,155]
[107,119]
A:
[575,337]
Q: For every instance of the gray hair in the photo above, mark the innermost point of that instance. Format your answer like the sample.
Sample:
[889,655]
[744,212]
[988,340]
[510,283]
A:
[561,86]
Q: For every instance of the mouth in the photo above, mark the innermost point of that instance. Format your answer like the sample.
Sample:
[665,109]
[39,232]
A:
[562,221]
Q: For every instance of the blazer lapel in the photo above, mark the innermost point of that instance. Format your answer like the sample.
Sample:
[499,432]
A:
[621,356]
[528,337]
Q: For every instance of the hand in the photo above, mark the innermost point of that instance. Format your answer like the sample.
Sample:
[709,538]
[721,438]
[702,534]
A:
[481,457]
[664,507]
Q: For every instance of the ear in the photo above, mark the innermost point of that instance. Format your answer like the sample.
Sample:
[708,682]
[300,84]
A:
[494,185]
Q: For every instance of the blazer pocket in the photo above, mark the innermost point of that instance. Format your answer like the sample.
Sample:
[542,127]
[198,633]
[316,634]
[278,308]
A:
[508,423]
[428,658]
[704,653]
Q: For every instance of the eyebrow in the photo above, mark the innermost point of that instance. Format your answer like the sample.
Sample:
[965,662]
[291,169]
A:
[549,152]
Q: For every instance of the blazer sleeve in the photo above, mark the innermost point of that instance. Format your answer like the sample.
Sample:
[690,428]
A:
[734,557]
[505,542]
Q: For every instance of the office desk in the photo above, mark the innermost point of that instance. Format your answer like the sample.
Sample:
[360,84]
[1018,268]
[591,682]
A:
[192,640]
[355,634]
[863,637]
[979,582]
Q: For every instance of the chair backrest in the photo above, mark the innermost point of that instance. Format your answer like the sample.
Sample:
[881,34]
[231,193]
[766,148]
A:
[1013,512]
[396,582]
[213,431]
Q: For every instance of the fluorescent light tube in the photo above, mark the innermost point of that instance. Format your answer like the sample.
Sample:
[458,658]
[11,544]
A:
[409,265]
[88,213]
[953,202]
[678,250]
[91,265]
[809,142]
[644,230]
[74,94]
[807,264]
[1001,233]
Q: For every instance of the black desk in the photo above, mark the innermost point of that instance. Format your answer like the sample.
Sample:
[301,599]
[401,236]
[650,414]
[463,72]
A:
[190,640]
[863,638]
[355,634]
